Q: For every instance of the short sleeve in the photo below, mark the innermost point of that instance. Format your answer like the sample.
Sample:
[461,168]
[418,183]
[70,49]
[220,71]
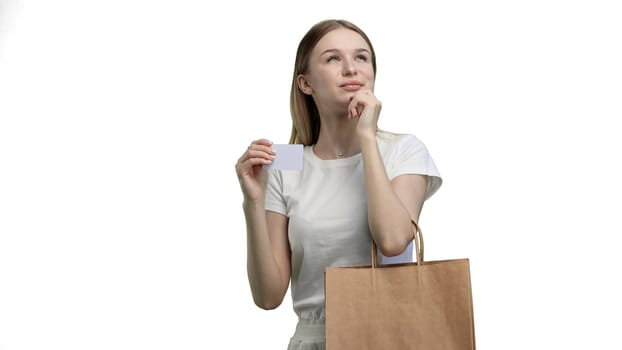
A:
[275,201]
[408,155]
[411,156]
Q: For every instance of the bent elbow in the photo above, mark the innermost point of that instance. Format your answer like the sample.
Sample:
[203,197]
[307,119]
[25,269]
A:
[267,303]
[267,306]
[392,247]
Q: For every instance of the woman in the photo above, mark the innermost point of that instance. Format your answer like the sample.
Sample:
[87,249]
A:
[357,183]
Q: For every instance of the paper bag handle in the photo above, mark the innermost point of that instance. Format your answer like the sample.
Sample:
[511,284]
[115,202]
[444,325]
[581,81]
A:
[417,237]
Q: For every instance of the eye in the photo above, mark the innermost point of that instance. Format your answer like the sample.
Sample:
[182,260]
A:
[362,58]
[332,58]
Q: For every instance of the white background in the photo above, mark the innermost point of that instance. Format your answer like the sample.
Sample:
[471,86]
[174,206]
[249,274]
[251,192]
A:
[121,121]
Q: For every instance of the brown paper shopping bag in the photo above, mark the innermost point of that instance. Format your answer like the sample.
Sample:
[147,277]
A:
[424,305]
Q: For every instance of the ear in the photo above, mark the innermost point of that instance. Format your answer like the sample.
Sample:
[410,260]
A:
[303,84]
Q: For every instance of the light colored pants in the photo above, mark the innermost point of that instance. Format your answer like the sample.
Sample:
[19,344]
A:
[309,335]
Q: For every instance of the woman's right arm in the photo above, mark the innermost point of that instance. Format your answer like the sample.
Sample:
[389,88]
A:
[268,251]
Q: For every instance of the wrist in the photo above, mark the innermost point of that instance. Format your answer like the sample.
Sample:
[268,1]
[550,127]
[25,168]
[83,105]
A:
[367,137]
[253,204]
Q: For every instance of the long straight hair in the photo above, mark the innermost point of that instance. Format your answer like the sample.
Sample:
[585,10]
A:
[304,112]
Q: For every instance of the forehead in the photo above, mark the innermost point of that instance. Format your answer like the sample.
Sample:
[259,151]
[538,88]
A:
[342,39]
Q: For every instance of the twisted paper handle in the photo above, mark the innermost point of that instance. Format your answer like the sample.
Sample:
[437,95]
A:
[417,237]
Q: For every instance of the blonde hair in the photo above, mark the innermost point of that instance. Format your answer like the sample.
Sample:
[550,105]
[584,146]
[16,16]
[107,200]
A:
[305,116]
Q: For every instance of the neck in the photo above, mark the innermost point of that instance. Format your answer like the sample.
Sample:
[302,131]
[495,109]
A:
[337,139]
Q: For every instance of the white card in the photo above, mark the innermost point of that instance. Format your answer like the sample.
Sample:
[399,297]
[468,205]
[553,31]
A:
[288,157]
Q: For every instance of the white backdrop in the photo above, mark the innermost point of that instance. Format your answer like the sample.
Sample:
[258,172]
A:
[121,121]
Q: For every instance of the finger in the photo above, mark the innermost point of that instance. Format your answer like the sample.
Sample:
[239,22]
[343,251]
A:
[246,167]
[262,142]
[352,107]
[256,152]
[355,108]
[262,145]
[257,161]
[260,154]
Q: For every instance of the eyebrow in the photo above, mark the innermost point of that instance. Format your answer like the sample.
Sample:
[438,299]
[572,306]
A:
[337,50]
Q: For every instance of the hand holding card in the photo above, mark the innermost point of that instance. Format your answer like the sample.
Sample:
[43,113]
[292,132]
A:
[288,157]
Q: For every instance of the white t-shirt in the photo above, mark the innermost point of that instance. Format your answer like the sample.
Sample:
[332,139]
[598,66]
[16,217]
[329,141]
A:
[327,210]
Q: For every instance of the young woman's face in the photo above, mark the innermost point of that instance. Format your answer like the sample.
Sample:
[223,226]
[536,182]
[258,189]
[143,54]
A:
[339,66]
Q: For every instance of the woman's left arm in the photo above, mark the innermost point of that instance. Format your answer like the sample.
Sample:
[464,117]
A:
[391,204]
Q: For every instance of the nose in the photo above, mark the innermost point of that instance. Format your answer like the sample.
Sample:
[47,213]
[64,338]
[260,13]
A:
[349,67]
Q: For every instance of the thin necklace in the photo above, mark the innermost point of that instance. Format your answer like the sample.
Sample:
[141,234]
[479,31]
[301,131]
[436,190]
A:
[339,154]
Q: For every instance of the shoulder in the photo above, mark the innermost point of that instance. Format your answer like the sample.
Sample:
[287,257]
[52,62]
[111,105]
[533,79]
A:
[391,141]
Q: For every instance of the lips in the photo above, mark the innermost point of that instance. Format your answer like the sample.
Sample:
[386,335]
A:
[351,86]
